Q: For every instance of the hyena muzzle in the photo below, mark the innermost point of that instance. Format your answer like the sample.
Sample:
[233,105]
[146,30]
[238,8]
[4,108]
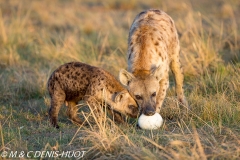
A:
[153,48]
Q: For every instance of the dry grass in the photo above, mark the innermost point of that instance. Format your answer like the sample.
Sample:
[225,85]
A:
[38,37]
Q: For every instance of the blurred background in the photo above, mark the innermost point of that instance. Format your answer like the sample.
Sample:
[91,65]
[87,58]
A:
[45,33]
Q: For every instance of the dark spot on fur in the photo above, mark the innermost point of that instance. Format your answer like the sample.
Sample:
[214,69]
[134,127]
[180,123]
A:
[112,86]
[129,56]
[63,71]
[132,50]
[74,77]
[154,29]
[159,53]
[139,38]
[77,73]
[84,75]
[157,11]
[156,43]
[77,65]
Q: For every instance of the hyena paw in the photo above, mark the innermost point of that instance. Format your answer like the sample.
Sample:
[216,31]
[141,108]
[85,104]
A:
[53,121]
[183,101]
[55,125]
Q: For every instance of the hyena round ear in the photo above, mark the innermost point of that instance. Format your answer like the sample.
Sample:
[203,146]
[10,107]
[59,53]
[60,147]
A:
[125,77]
[157,73]
[117,96]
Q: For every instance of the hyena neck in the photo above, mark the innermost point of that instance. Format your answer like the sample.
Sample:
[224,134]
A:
[110,90]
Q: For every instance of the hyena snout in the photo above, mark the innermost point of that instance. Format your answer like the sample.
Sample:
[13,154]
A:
[149,110]
[133,111]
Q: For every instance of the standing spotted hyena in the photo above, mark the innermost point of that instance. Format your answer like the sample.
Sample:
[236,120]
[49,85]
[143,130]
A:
[77,81]
[153,48]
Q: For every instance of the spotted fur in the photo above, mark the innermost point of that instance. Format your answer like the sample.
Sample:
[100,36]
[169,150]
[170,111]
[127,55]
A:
[77,81]
[153,49]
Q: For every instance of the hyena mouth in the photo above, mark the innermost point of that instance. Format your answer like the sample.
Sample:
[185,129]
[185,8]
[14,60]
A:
[149,111]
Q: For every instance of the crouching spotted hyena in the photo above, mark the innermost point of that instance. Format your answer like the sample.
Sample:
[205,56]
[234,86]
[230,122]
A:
[153,48]
[77,81]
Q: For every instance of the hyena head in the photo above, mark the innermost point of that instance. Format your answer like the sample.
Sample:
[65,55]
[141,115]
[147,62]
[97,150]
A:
[125,104]
[143,89]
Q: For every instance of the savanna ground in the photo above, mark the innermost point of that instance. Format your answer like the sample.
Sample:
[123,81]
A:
[38,36]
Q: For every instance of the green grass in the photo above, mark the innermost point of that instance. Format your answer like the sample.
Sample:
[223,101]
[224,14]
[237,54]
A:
[38,37]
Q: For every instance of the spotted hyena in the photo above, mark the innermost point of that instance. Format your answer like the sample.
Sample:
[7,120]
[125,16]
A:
[153,48]
[77,81]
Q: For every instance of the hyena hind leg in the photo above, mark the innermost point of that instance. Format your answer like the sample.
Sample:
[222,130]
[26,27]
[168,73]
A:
[56,103]
[72,111]
[178,76]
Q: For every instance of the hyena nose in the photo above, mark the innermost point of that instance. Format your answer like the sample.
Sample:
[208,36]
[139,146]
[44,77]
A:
[149,111]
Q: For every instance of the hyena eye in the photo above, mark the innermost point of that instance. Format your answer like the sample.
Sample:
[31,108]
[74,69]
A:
[131,107]
[138,97]
[154,94]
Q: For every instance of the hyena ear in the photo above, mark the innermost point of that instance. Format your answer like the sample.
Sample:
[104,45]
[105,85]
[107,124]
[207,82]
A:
[157,73]
[117,96]
[125,77]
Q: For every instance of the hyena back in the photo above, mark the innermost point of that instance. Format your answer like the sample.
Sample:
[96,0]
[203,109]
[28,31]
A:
[153,48]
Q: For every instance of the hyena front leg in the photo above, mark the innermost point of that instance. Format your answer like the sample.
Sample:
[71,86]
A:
[164,83]
[95,107]
[117,117]
[72,111]
[178,76]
